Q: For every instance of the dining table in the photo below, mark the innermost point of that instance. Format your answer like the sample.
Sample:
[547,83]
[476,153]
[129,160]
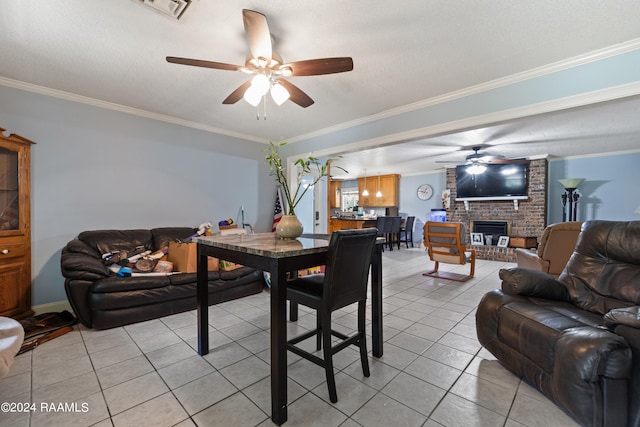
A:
[281,258]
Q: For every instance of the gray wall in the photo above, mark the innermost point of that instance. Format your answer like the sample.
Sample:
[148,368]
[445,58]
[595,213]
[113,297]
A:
[96,169]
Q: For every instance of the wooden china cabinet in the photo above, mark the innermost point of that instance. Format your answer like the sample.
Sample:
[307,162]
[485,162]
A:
[15,226]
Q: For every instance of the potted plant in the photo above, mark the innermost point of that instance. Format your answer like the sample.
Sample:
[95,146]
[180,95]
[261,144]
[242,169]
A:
[289,226]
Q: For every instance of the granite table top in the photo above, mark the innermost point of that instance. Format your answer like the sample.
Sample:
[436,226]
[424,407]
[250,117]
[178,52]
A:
[267,244]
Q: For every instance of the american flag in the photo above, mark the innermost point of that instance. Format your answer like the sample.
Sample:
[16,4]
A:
[277,212]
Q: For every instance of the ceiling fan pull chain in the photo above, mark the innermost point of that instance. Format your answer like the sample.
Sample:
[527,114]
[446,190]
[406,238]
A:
[264,108]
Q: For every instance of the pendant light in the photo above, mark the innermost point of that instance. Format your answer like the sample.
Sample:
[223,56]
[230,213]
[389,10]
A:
[379,193]
[365,192]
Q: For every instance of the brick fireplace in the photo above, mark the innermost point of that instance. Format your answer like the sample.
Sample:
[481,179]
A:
[529,220]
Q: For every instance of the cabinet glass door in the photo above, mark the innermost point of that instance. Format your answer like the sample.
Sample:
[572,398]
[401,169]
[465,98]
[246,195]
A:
[9,200]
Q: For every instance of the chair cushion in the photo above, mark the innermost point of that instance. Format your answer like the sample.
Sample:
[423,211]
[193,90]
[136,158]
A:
[604,271]
[312,284]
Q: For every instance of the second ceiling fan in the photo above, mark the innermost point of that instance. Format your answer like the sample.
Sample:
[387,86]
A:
[268,68]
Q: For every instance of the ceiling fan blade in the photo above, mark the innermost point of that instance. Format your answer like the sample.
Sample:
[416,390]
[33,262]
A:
[316,67]
[201,63]
[237,94]
[257,29]
[296,95]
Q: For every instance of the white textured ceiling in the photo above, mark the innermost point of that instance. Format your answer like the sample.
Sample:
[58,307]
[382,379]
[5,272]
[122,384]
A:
[404,52]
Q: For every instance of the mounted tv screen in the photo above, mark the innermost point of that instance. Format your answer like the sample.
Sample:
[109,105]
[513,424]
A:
[499,180]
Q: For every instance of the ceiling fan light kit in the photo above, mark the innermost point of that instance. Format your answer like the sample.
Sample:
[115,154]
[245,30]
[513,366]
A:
[279,94]
[268,68]
[476,169]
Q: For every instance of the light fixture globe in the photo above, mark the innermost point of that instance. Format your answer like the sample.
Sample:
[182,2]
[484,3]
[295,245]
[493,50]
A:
[571,183]
[261,84]
[365,192]
[476,169]
[252,96]
[279,94]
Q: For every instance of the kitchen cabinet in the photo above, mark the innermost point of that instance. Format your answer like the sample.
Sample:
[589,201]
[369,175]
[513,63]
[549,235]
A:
[335,194]
[15,226]
[389,187]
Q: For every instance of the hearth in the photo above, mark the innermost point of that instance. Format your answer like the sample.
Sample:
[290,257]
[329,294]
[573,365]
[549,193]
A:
[495,229]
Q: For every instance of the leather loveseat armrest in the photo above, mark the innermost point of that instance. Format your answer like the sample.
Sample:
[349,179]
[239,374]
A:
[529,259]
[80,261]
[533,283]
[628,316]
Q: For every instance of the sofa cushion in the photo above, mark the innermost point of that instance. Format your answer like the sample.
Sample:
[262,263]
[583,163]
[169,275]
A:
[105,241]
[241,275]
[162,236]
[129,284]
[119,300]
[604,271]
[533,327]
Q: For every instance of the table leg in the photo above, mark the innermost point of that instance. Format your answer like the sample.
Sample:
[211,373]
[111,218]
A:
[278,345]
[376,300]
[293,311]
[202,301]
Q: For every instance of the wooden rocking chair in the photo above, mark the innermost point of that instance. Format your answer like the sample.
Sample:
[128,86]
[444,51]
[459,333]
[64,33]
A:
[443,240]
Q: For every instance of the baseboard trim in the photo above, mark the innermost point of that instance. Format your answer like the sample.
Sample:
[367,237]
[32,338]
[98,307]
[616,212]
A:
[56,306]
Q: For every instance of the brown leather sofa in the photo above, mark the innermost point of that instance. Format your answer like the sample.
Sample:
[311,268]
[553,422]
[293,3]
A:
[101,299]
[556,246]
[575,338]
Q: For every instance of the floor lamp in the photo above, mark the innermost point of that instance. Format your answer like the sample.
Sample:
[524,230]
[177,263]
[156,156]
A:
[570,198]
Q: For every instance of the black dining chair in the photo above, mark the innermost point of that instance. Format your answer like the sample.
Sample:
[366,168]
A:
[344,282]
[394,232]
[383,224]
[385,231]
[406,232]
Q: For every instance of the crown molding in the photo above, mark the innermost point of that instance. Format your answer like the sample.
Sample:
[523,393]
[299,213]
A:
[593,56]
[68,96]
[616,92]
[565,64]
[586,156]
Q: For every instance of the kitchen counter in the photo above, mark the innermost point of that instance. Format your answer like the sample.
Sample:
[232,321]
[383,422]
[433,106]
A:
[348,223]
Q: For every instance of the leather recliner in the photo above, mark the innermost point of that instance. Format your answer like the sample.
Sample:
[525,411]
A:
[575,338]
[556,246]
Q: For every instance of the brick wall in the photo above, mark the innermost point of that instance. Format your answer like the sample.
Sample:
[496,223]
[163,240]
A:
[529,220]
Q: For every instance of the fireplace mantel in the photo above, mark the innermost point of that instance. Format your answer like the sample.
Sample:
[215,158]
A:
[529,219]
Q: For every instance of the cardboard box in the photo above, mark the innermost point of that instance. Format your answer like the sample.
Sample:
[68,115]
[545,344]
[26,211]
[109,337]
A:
[227,227]
[184,257]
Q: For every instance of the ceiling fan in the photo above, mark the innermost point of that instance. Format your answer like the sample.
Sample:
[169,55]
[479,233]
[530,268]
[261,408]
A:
[478,157]
[268,68]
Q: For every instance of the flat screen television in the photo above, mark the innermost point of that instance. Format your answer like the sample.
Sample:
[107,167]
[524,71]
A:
[498,181]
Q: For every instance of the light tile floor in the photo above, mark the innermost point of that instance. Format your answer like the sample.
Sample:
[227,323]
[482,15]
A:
[433,372]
